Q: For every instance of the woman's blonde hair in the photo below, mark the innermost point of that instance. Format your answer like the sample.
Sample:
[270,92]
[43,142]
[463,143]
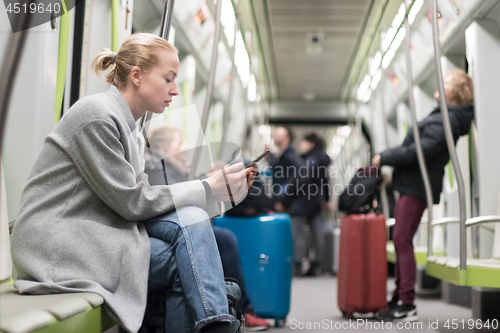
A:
[462,88]
[139,50]
[162,137]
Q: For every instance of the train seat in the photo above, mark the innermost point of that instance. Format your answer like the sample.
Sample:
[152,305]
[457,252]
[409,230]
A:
[483,272]
[56,313]
[77,312]
[455,262]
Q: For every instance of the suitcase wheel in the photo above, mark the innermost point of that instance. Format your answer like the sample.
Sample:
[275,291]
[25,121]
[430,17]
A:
[347,314]
[279,322]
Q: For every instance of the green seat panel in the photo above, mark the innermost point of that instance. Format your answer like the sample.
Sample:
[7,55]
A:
[479,272]
[420,255]
[391,252]
[51,313]
[94,320]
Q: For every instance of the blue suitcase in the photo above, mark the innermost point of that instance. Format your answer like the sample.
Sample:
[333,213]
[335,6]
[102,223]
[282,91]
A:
[266,252]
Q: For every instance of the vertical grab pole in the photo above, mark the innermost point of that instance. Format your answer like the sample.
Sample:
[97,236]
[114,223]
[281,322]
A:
[227,111]
[449,135]
[420,154]
[208,97]
[385,200]
[384,114]
[166,23]
[372,127]
[10,64]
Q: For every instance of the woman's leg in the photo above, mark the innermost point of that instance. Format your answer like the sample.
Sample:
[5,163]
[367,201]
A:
[230,257]
[299,240]
[186,264]
[408,214]
[318,239]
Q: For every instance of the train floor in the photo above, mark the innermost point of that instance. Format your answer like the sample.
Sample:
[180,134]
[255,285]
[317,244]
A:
[314,302]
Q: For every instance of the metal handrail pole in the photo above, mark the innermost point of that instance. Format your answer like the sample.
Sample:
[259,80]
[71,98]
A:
[244,141]
[227,111]
[382,101]
[383,194]
[420,154]
[449,136]
[208,97]
[372,127]
[10,65]
[445,220]
[166,24]
[474,144]
[385,200]
[482,219]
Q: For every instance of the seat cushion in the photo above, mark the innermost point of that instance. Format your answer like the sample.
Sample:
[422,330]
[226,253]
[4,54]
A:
[25,313]
[489,263]
[453,262]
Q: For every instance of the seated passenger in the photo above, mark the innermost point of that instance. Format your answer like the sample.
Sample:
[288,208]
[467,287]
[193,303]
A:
[167,158]
[407,179]
[88,209]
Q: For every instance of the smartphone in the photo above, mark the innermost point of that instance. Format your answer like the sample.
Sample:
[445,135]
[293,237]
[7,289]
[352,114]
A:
[257,160]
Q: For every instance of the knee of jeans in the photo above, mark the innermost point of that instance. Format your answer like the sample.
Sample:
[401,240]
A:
[191,214]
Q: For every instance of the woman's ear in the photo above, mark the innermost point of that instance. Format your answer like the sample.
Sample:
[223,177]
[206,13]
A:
[135,76]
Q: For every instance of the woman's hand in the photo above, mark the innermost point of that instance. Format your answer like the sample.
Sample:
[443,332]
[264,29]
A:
[278,207]
[376,161]
[236,177]
[251,176]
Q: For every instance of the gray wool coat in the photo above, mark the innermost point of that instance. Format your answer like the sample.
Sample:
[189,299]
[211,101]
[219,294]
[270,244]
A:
[79,226]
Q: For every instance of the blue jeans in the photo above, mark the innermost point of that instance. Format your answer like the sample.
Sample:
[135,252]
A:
[186,268]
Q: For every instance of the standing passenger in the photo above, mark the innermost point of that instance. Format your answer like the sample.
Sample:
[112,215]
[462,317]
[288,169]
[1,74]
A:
[407,179]
[87,209]
[306,203]
[284,165]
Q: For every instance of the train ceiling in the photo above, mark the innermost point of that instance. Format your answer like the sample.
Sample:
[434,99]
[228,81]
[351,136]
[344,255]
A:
[309,46]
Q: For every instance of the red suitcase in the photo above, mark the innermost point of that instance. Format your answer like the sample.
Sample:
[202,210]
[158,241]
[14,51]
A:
[362,272]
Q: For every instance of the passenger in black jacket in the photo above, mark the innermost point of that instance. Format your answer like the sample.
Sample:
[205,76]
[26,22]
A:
[407,179]
[309,194]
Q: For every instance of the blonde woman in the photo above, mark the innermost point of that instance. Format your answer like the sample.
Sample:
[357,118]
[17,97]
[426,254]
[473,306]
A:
[407,179]
[88,208]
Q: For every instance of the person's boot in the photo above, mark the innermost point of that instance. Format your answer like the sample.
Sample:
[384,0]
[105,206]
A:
[297,269]
[234,299]
[154,318]
[314,270]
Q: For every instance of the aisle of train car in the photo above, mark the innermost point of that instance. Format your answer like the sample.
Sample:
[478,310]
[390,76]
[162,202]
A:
[314,302]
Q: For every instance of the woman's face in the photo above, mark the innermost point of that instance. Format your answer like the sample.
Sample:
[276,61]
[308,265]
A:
[157,87]
[305,146]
